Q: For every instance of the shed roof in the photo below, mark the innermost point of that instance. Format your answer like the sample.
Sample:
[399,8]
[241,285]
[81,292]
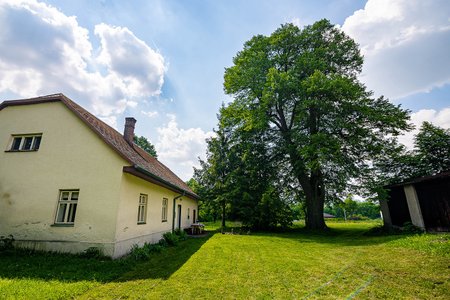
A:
[441,175]
[143,164]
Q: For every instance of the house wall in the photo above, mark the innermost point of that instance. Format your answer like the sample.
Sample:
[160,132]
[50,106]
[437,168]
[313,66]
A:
[128,232]
[70,156]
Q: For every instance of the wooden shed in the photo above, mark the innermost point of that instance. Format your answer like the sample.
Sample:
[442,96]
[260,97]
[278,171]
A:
[423,201]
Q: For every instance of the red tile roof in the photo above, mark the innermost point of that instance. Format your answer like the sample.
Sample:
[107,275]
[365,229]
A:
[142,164]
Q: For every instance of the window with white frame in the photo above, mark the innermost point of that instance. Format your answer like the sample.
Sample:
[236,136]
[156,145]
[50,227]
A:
[67,206]
[164,210]
[26,142]
[142,209]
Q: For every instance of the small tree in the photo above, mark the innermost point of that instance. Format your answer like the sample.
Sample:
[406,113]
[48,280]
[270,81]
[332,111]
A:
[432,149]
[145,144]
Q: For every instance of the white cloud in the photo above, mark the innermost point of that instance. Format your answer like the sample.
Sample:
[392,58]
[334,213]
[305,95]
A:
[180,148]
[150,114]
[406,44]
[439,118]
[43,51]
[140,67]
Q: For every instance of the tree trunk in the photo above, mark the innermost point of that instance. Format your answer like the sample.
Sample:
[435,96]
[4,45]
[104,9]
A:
[314,212]
[314,190]
[223,216]
[312,185]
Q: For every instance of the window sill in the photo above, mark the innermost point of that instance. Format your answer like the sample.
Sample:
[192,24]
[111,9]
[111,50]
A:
[164,221]
[62,225]
[31,150]
[141,223]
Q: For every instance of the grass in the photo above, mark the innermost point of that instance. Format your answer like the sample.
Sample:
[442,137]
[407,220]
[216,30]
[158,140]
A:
[343,263]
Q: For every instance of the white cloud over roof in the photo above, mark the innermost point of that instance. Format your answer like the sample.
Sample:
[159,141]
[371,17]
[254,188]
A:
[43,51]
[178,147]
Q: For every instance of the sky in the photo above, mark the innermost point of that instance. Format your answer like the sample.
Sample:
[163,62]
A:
[162,61]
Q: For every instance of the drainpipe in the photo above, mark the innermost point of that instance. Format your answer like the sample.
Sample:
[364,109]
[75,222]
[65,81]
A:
[173,211]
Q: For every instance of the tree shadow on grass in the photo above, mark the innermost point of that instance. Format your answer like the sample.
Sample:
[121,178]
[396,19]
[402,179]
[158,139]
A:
[25,264]
[164,264]
[339,236]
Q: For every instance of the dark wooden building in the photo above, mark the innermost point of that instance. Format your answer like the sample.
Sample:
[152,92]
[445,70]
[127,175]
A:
[423,201]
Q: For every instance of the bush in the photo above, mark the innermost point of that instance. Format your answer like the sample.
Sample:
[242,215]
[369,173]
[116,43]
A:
[139,253]
[153,248]
[358,218]
[6,243]
[92,252]
[144,252]
[171,238]
[182,235]
[163,243]
[408,227]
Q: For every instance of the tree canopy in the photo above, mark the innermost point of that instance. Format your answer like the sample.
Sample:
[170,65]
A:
[145,144]
[298,91]
[431,155]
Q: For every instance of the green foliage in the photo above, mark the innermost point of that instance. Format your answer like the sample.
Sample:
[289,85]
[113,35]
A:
[6,243]
[298,91]
[432,149]
[93,252]
[182,235]
[409,227]
[139,253]
[162,242]
[239,182]
[431,155]
[145,144]
[172,239]
[358,210]
[145,252]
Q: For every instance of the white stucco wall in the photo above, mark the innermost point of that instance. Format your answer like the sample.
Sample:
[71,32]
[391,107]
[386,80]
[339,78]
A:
[70,156]
[128,232]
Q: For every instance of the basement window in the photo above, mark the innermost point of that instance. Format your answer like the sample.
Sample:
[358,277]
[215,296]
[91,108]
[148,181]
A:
[142,209]
[26,142]
[67,207]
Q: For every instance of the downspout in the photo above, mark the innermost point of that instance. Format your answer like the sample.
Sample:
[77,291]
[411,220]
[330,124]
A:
[173,210]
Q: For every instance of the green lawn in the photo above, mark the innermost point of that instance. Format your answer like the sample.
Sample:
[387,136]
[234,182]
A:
[341,264]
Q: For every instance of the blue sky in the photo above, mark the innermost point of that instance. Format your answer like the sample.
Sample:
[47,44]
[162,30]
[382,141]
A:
[163,61]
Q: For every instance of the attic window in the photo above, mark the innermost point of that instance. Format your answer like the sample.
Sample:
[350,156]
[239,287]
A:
[27,142]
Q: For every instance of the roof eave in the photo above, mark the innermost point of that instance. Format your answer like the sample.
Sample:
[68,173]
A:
[146,175]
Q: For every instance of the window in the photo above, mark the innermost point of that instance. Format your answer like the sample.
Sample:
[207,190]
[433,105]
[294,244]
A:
[188,213]
[67,206]
[164,210]
[28,142]
[142,209]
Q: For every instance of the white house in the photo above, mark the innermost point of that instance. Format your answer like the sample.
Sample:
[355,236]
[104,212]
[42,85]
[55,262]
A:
[69,182]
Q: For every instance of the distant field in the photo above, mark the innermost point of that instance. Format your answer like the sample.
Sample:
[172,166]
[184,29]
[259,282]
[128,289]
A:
[341,264]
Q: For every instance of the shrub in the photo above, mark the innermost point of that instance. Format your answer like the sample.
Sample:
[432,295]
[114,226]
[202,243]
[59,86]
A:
[171,238]
[153,248]
[408,227]
[139,253]
[6,243]
[163,243]
[92,252]
[182,235]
